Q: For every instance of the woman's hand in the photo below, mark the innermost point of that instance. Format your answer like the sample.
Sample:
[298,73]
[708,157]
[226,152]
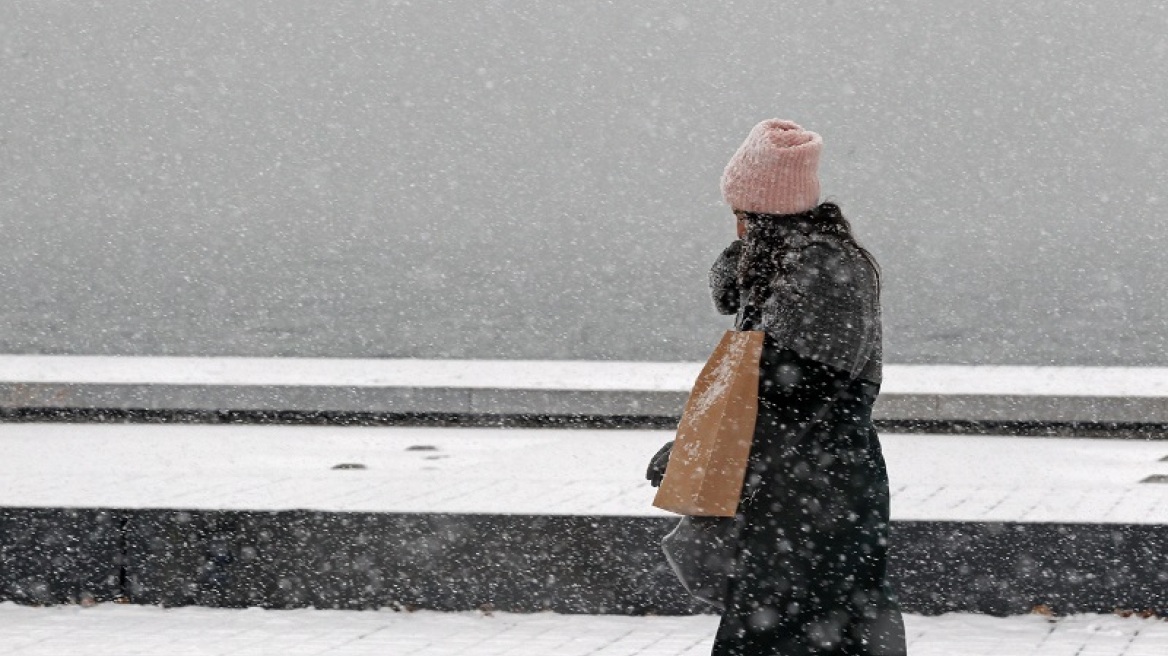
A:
[657,465]
[724,279]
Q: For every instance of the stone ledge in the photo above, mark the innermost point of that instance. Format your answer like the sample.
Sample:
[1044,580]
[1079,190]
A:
[420,388]
[521,563]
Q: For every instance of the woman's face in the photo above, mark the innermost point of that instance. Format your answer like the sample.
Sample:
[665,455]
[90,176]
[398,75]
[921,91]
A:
[741,218]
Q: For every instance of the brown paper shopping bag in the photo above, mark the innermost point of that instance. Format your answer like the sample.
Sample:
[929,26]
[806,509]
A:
[707,465]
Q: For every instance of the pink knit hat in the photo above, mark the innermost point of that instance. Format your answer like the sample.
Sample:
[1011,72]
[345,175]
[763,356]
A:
[774,171]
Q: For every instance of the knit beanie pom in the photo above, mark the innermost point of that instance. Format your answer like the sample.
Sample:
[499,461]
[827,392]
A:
[786,134]
[775,171]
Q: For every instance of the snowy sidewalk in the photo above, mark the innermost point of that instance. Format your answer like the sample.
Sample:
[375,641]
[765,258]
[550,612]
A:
[130,631]
[168,386]
[561,375]
[527,520]
[537,472]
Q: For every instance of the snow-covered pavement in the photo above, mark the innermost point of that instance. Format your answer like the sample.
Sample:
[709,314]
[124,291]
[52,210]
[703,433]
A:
[544,472]
[132,630]
[545,375]
[164,386]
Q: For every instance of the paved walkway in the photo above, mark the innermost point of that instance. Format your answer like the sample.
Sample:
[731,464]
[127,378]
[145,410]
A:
[133,630]
[508,387]
[517,471]
[580,375]
[551,375]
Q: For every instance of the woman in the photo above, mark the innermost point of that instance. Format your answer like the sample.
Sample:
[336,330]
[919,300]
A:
[810,571]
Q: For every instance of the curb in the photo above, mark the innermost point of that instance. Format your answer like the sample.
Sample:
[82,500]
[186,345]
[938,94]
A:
[622,394]
[518,563]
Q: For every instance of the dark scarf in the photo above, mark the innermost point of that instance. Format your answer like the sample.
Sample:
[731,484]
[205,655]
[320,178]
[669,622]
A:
[816,293]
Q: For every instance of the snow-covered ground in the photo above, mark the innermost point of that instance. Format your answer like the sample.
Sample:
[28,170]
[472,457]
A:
[133,630]
[550,375]
[531,471]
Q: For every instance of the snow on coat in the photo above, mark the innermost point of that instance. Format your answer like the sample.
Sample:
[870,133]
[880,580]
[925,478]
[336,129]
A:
[826,307]
[810,570]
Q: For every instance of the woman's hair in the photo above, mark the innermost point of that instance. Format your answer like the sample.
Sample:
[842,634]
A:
[768,241]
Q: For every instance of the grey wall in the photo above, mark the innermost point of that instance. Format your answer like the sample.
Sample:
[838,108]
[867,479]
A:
[528,563]
[540,180]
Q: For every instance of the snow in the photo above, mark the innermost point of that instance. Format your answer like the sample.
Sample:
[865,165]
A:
[133,630]
[540,179]
[537,471]
[470,374]
[552,375]
[1144,382]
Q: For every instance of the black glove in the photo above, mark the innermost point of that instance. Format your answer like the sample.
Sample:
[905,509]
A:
[724,279]
[657,465]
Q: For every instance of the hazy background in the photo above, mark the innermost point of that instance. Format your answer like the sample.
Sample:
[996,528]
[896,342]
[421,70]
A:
[530,179]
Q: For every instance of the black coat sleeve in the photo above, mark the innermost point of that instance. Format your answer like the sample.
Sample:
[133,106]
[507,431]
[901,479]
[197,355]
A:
[724,279]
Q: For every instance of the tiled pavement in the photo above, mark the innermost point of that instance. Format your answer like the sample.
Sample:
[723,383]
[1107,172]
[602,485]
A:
[132,630]
[551,472]
[574,472]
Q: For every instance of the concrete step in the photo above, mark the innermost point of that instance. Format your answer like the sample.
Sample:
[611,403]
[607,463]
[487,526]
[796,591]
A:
[215,389]
[528,563]
[528,520]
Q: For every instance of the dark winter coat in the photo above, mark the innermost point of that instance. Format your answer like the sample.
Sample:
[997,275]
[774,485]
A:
[827,307]
[811,565]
